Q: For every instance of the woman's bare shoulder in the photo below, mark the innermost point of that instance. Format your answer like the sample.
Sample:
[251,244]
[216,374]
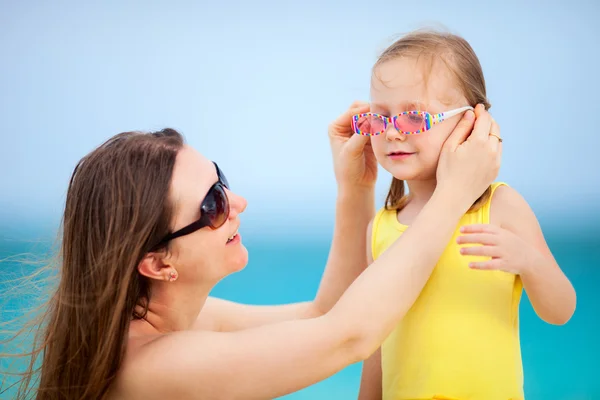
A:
[266,361]
[154,365]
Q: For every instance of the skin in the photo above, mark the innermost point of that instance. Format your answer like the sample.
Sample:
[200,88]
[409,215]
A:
[513,240]
[192,346]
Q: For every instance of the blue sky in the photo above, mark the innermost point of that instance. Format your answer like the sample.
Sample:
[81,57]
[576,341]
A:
[73,74]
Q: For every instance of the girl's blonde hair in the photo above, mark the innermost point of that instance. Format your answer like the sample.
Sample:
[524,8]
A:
[431,46]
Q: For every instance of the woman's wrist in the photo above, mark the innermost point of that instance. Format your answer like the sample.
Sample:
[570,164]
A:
[355,191]
[452,200]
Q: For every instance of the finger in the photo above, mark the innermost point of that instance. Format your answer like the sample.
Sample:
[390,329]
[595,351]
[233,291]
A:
[356,144]
[495,128]
[483,124]
[484,251]
[368,151]
[344,119]
[495,135]
[498,155]
[342,125]
[479,228]
[494,264]
[461,132]
[478,238]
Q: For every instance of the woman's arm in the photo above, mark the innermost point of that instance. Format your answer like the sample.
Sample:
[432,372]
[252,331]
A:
[355,206]
[273,360]
[356,171]
[348,255]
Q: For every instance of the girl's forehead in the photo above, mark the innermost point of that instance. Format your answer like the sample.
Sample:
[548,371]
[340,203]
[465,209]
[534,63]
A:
[405,83]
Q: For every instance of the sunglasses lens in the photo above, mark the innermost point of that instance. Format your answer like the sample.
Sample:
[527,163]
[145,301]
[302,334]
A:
[216,206]
[370,125]
[411,121]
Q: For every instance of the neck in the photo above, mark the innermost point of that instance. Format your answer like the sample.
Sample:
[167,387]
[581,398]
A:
[420,191]
[175,306]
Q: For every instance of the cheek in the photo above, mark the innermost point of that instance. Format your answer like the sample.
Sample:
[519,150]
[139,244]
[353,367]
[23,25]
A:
[441,132]
[430,147]
[198,248]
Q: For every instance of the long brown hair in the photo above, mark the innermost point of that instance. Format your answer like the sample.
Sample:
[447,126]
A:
[462,62]
[116,208]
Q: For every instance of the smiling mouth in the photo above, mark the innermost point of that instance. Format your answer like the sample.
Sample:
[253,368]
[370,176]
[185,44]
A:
[232,236]
[399,153]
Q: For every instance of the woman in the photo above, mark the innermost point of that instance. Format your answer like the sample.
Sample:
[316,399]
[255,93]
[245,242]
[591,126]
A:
[150,226]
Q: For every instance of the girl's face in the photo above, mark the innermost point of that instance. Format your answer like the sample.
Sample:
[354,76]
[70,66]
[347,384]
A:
[400,85]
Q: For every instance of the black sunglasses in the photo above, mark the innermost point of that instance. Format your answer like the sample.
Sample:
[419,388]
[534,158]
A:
[214,210]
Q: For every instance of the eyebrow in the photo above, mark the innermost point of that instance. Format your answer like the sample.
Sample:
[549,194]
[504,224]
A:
[413,105]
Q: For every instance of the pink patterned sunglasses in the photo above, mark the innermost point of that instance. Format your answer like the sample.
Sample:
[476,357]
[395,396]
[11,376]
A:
[408,122]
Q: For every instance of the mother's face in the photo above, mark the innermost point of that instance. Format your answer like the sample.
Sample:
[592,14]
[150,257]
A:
[207,254]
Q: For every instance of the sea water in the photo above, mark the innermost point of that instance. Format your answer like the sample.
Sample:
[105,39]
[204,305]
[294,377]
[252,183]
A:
[560,362]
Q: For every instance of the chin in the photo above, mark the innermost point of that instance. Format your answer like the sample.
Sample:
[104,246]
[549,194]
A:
[404,173]
[407,172]
[239,261]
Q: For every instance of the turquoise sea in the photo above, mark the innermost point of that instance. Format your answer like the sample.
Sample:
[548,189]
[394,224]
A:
[560,362]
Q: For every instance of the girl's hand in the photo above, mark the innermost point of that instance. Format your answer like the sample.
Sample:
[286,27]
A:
[354,163]
[508,252]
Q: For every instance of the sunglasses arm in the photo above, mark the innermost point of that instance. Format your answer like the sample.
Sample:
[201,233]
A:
[451,113]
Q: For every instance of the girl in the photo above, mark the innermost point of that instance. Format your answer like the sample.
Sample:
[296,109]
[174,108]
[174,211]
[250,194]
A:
[460,340]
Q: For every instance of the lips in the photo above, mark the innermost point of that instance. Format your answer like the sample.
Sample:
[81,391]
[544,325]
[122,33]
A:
[400,153]
[230,238]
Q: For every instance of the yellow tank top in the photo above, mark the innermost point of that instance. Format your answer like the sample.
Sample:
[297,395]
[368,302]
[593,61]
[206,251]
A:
[460,339]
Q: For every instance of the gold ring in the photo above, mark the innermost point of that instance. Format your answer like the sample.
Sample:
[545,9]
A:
[496,136]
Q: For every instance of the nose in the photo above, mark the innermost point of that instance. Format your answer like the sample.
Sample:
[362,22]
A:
[237,204]
[391,134]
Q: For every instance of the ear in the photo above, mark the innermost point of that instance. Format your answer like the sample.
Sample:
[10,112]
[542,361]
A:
[152,266]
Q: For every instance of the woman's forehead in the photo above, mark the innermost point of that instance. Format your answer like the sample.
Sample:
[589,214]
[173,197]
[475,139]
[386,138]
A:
[193,174]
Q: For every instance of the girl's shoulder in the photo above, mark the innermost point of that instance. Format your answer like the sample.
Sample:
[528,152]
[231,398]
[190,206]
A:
[508,206]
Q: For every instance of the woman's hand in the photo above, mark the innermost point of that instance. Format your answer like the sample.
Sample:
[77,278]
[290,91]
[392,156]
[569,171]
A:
[354,163]
[467,167]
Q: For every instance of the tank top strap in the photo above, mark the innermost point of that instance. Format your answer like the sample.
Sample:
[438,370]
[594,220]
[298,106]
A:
[375,229]
[386,227]
[486,207]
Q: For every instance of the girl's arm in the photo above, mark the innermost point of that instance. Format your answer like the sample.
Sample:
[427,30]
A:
[515,243]
[551,293]
[371,379]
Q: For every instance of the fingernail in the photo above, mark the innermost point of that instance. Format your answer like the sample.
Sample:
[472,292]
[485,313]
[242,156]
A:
[469,115]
